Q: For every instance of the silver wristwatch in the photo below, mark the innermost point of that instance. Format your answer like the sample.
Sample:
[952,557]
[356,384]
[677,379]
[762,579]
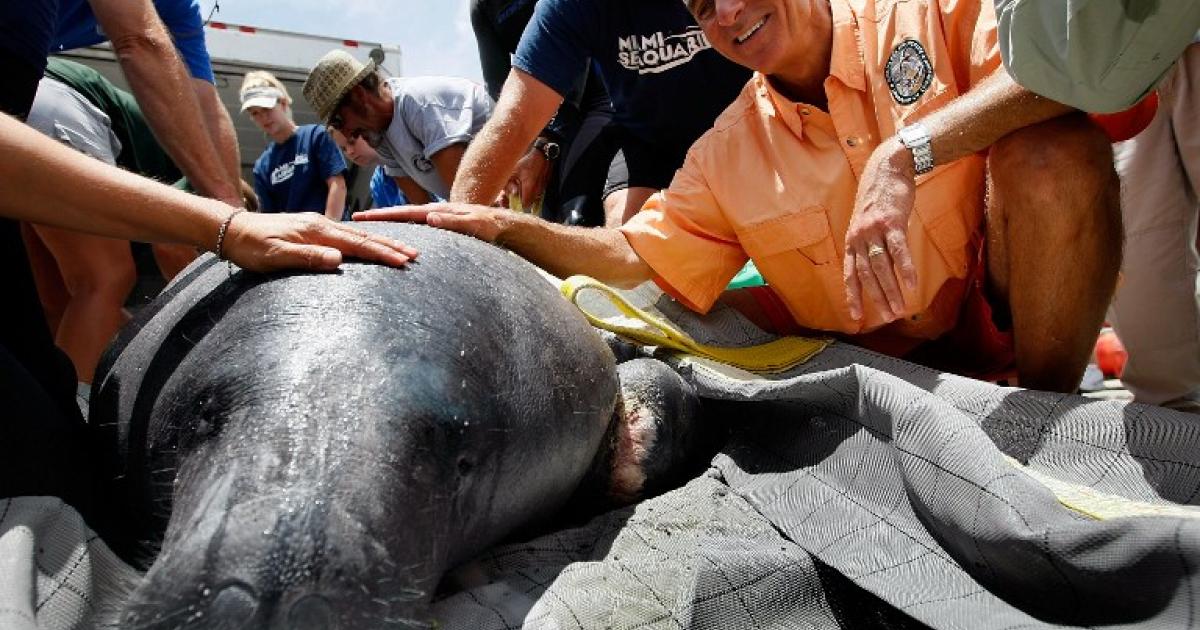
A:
[916,138]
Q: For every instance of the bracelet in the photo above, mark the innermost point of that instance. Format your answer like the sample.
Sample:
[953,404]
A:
[219,251]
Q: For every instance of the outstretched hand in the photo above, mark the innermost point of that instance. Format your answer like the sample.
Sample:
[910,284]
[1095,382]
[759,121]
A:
[271,242]
[482,222]
[877,254]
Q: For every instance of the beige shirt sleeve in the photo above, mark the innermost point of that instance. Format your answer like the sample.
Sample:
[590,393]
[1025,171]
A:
[1100,56]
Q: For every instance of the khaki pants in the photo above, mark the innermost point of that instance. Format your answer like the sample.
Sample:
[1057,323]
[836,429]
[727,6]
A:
[1156,311]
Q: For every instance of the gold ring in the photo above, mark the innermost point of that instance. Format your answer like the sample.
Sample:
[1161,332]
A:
[875,250]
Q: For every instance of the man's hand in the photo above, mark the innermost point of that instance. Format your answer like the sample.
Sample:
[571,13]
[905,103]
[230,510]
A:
[528,181]
[877,254]
[270,242]
[563,250]
[482,222]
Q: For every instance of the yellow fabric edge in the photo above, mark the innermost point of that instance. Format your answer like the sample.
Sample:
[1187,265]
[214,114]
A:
[1099,505]
[779,355]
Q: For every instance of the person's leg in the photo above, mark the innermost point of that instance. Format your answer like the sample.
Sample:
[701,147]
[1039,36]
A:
[45,446]
[621,205]
[621,200]
[583,171]
[99,274]
[50,286]
[1054,244]
[1161,266]
[172,258]
[648,168]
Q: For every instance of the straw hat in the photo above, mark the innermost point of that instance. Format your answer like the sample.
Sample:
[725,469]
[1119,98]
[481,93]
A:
[328,83]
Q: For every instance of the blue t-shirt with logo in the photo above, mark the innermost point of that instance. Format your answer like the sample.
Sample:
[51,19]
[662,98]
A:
[77,27]
[666,83]
[290,177]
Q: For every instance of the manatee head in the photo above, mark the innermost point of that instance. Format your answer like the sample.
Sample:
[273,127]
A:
[323,447]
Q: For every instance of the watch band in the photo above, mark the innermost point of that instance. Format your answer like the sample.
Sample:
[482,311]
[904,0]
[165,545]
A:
[915,138]
[548,148]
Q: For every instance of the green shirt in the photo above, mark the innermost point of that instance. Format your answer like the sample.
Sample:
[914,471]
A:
[1100,56]
[140,151]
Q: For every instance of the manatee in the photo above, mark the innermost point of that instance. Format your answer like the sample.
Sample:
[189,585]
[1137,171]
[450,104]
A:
[302,450]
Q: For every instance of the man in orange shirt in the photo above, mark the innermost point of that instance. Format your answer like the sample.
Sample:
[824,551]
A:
[861,161]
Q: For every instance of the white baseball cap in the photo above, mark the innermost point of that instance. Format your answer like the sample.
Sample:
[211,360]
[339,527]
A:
[265,97]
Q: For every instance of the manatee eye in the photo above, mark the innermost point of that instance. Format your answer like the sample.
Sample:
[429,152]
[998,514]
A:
[465,466]
[207,422]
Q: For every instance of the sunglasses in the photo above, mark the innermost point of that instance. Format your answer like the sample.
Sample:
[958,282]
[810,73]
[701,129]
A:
[336,121]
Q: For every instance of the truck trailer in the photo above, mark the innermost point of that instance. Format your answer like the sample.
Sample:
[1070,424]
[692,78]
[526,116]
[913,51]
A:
[237,49]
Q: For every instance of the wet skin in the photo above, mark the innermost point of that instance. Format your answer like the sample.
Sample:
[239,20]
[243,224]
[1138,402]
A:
[316,450]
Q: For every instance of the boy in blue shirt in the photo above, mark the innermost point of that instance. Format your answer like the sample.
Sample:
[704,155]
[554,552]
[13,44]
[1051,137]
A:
[302,169]
[385,192]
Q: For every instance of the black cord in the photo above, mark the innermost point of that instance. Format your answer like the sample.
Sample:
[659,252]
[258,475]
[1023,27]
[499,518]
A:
[216,7]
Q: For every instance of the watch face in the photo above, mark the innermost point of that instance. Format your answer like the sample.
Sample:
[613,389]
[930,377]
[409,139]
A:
[908,72]
[912,135]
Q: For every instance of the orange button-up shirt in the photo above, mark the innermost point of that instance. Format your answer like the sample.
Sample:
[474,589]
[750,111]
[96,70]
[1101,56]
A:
[775,180]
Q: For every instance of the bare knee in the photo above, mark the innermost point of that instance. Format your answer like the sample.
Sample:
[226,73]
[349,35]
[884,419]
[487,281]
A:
[1050,158]
[621,205]
[1056,182]
[614,208]
[110,282]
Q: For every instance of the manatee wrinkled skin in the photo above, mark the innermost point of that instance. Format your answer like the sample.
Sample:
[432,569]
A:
[316,450]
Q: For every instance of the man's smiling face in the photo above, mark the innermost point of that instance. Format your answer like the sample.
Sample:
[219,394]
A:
[763,35]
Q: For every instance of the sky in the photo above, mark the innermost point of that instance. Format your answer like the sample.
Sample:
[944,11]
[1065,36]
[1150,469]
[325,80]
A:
[434,36]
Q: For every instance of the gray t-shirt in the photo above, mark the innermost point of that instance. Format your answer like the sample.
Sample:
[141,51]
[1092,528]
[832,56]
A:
[431,113]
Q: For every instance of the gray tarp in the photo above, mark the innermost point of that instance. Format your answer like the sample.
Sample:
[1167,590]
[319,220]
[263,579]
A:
[858,491]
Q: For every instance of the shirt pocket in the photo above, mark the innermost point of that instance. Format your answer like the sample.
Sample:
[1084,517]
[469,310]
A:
[949,207]
[798,256]
[805,233]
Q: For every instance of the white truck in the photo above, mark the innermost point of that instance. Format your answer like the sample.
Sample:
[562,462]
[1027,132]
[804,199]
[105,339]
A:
[237,49]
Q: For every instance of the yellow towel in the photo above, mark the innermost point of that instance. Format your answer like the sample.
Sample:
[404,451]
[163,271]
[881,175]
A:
[776,356]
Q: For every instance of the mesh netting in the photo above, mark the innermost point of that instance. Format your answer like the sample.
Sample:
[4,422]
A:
[857,491]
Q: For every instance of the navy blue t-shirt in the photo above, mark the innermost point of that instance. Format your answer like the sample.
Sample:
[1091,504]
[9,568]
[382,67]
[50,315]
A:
[291,176]
[666,83]
[77,27]
[26,32]
[35,28]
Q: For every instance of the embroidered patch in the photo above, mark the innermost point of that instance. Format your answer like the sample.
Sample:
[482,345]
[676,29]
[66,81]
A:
[908,72]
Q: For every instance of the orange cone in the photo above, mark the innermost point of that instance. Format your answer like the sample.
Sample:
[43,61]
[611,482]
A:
[1110,354]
